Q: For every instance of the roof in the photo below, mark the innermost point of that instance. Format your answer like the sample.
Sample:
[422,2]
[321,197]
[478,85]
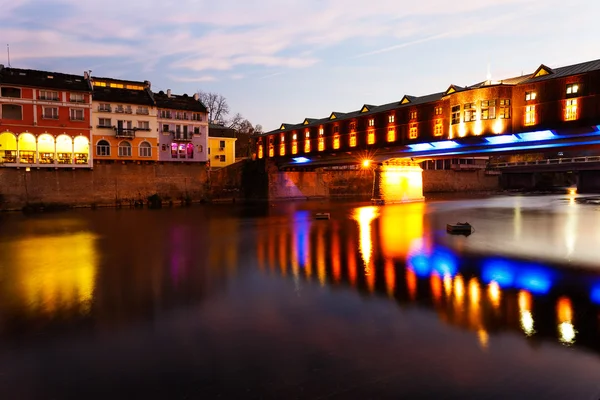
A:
[43,79]
[126,96]
[569,70]
[178,102]
[215,130]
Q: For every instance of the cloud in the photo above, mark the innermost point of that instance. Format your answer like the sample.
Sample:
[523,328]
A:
[204,78]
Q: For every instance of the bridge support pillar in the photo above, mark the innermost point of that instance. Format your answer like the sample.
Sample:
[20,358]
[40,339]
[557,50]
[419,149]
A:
[397,180]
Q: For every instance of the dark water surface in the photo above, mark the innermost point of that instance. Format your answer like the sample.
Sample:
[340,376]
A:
[267,302]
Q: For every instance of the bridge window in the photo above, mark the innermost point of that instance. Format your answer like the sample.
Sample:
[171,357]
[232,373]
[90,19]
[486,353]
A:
[271,151]
[505,109]
[455,115]
[413,131]
[413,115]
[282,138]
[572,88]
[353,139]
[488,109]
[371,136]
[294,136]
[282,149]
[260,151]
[438,111]
[294,147]
[391,135]
[321,131]
[391,118]
[529,115]
[336,129]
[352,126]
[371,121]
[336,142]
[470,112]
[307,143]
[571,110]
[438,128]
[321,143]
[530,96]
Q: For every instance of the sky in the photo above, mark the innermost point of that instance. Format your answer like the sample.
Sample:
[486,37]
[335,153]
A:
[285,60]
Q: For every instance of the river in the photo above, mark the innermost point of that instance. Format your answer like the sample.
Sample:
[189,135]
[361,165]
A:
[265,301]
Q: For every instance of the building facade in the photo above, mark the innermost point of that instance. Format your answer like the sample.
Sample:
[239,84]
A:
[222,146]
[124,125]
[565,98]
[45,119]
[183,128]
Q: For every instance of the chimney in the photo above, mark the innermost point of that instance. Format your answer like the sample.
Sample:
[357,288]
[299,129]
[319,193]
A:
[148,84]
[168,92]
[196,96]
[86,75]
[1,67]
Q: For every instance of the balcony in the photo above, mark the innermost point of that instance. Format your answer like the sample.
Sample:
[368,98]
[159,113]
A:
[142,111]
[125,133]
[182,136]
[104,109]
[119,110]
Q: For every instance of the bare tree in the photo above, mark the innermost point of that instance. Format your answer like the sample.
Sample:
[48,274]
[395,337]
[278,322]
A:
[216,105]
[236,121]
[258,129]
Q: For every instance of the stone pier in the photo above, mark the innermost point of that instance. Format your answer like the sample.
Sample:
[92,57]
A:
[398,180]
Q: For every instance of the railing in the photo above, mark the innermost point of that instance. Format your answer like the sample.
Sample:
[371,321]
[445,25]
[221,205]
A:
[467,167]
[142,112]
[125,133]
[549,161]
[182,136]
[104,109]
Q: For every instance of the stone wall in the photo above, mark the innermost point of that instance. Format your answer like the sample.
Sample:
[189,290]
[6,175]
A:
[435,181]
[106,184]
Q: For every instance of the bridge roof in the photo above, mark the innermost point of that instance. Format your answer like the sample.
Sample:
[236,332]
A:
[569,70]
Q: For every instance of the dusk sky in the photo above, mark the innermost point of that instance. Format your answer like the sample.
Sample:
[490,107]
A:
[283,60]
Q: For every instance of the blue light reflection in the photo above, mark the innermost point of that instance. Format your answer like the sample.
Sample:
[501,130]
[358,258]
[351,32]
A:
[302,229]
[499,271]
[595,295]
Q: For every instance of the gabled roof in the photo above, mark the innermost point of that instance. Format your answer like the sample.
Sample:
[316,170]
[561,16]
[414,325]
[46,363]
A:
[308,121]
[542,70]
[453,89]
[366,108]
[336,115]
[569,70]
[177,102]
[407,99]
[43,79]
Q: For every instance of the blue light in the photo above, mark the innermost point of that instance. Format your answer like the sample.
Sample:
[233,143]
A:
[536,136]
[446,144]
[419,263]
[595,295]
[300,160]
[499,271]
[502,139]
[302,229]
[444,262]
[420,147]
[535,279]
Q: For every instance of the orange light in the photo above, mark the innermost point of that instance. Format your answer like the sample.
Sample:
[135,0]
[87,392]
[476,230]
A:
[366,163]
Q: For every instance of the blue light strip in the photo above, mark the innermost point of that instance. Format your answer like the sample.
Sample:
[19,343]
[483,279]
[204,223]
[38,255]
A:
[420,146]
[502,139]
[300,160]
[446,144]
[536,136]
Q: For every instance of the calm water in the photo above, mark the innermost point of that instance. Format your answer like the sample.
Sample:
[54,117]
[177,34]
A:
[267,302]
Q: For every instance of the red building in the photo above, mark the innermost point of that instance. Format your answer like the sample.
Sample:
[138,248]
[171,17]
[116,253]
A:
[44,119]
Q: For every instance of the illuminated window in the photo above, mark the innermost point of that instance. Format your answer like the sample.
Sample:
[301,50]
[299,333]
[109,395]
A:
[470,112]
[271,151]
[294,136]
[282,138]
[307,142]
[438,111]
[99,84]
[353,139]
[307,135]
[282,149]
[505,109]
[438,128]
[571,110]
[371,136]
[117,85]
[530,96]
[294,147]
[488,109]
[413,131]
[391,135]
[413,115]
[372,122]
[321,131]
[529,115]
[135,87]
[260,151]
[352,126]
[321,143]
[572,88]
[391,118]
[336,142]
[455,115]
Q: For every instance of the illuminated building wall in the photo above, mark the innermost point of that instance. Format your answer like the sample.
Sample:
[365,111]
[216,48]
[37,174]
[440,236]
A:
[221,151]
[399,181]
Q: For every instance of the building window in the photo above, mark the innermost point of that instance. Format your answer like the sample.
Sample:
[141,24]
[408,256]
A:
[352,126]
[76,98]
[470,112]
[145,149]
[412,115]
[124,149]
[530,96]
[438,128]
[222,144]
[197,130]
[174,150]
[12,111]
[282,149]
[336,142]
[321,131]
[271,151]
[321,143]
[142,110]
[413,131]
[76,114]
[196,117]
[103,148]
[391,118]
[10,92]
[571,110]
[336,129]
[371,122]
[48,95]
[488,109]
[260,151]
[294,147]
[438,111]
[353,139]
[104,107]
[529,115]
[391,134]
[117,85]
[455,115]
[307,145]
[50,113]
[371,136]
[572,89]
[505,109]
[144,125]
[104,123]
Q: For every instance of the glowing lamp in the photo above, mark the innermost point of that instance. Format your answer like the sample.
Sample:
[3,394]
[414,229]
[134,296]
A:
[366,163]
[503,139]
[420,146]
[446,144]
[536,136]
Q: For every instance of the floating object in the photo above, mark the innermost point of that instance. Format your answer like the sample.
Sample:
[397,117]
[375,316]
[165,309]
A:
[322,216]
[460,228]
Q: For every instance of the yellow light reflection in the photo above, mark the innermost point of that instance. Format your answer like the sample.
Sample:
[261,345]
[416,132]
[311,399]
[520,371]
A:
[495,294]
[474,294]
[484,338]
[351,263]
[321,254]
[566,329]
[56,272]
[397,242]
[448,285]
[411,283]
[436,287]
[390,277]
[498,126]
[370,277]
[526,318]
[459,288]
[336,254]
[364,216]
[283,253]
